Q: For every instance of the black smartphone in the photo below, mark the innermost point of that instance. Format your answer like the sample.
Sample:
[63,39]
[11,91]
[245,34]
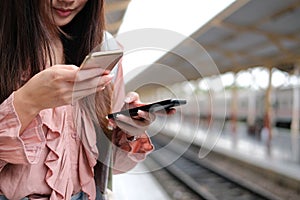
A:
[152,107]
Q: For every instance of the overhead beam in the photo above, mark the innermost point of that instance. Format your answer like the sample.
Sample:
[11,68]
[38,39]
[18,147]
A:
[225,13]
[279,13]
[117,6]
[114,27]
[291,37]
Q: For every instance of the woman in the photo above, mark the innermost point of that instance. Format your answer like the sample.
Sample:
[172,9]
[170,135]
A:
[47,135]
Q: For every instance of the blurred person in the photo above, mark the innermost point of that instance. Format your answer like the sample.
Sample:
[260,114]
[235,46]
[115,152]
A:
[48,146]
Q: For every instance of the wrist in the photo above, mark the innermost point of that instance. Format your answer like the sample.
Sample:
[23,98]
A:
[24,105]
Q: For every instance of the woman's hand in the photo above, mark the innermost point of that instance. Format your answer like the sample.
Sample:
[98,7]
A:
[59,85]
[136,125]
[56,86]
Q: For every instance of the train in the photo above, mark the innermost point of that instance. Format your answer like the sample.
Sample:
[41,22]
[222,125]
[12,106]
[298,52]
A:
[246,105]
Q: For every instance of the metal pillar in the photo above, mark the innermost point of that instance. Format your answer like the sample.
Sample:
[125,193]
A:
[209,117]
[234,107]
[251,117]
[295,117]
[267,129]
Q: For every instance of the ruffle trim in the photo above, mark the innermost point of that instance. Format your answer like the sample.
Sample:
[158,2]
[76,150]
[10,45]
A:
[128,151]
[29,145]
[137,148]
[58,162]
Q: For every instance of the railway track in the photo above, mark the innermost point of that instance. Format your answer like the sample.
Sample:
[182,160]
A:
[203,179]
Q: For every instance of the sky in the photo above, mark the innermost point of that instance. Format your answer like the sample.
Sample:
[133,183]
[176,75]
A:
[180,16]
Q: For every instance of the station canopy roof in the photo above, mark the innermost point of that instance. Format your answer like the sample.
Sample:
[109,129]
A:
[248,33]
[115,11]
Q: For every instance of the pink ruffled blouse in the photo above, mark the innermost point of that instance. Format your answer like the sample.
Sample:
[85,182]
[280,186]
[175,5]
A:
[50,158]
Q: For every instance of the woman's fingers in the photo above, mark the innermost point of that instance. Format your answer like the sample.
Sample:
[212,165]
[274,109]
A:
[79,94]
[135,125]
[58,85]
[63,72]
[130,128]
[170,111]
[132,97]
[150,117]
[93,83]
[90,73]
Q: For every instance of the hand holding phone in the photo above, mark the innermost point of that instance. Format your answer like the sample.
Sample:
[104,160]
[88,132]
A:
[153,107]
[102,59]
[97,63]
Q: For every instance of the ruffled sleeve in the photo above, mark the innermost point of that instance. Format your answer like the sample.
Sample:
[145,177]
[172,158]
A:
[129,150]
[14,148]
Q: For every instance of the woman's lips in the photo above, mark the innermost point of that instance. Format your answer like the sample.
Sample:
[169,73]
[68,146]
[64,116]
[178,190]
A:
[63,12]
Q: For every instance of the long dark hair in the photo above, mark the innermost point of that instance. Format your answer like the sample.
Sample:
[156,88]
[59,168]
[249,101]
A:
[78,40]
[24,43]
[26,34]
[84,32]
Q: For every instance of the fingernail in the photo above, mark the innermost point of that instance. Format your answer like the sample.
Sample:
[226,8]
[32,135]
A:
[110,76]
[127,100]
[141,113]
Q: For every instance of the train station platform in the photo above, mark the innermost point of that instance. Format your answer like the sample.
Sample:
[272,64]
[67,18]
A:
[280,158]
[137,184]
